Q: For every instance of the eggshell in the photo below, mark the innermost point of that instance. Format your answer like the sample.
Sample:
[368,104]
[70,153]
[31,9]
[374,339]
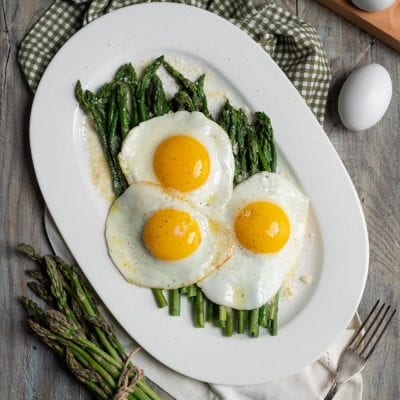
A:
[373,5]
[365,96]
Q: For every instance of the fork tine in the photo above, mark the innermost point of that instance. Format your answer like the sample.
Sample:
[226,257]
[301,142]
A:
[359,330]
[377,325]
[367,330]
[380,335]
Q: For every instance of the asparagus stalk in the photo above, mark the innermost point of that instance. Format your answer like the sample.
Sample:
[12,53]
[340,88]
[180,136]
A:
[202,96]
[38,275]
[182,101]
[229,322]
[263,316]
[160,104]
[57,288]
[253,323]
[174,302]
[266,145]
[191,291]
[273,316]
[252,147]
[209,310]
[124,117]
[233,132]
[159,298]
[221,316]
[225,116]
[240,321]
[142,87]
[126,75]
[199,309]
[113,139]
[243,151]
[132,83]
[103,97]
[33,308]
[183,290]
[41,291]
[28,251]
[121,74]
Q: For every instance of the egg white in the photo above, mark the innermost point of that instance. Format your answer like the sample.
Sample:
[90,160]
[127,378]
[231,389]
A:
[248,280]
[138,148]
[124,226]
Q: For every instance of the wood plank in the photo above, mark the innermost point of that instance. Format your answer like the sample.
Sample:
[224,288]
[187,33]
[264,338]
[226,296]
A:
[379,174]
[383,25]
[31,372]
[372,159]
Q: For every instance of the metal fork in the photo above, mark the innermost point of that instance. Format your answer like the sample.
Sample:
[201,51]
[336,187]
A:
[361,345]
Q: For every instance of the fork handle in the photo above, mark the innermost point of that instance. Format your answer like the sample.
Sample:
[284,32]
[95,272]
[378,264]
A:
[333,390]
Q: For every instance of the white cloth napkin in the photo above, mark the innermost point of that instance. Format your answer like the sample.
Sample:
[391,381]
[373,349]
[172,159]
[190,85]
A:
[312,383]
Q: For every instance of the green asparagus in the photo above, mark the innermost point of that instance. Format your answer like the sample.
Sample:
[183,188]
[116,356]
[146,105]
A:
[61,329]
[253,149]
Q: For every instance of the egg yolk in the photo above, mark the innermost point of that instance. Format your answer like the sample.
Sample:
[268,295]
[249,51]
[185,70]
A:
[182,163]
[262,227]
[171,234]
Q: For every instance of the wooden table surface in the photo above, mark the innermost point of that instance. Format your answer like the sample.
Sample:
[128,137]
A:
[28,370]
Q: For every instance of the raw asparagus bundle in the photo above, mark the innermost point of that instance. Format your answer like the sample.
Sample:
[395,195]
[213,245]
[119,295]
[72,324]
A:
[75,329]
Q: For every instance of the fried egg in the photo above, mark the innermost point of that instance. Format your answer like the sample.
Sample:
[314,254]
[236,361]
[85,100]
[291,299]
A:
[185,151]
[268,215]
[158,239]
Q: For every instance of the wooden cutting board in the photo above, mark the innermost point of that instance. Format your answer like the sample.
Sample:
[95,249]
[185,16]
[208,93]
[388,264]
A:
[384,25]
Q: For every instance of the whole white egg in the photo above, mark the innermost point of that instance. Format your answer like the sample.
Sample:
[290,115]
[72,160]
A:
[373,5]
[364,97]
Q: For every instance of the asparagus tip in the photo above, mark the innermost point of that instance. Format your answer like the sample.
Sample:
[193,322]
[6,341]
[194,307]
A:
[28,251]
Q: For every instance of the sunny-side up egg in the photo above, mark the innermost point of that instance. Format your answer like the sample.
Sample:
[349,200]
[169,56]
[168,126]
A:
[185,151]
[158,239]
[268,214]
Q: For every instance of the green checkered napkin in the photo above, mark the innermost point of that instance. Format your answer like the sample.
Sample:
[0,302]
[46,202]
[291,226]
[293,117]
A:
[292,43]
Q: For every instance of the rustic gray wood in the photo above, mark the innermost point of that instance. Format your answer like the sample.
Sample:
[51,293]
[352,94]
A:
[373,161]
[28,370]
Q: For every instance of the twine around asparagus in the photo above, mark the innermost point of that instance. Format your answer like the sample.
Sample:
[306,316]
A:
[126,383]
